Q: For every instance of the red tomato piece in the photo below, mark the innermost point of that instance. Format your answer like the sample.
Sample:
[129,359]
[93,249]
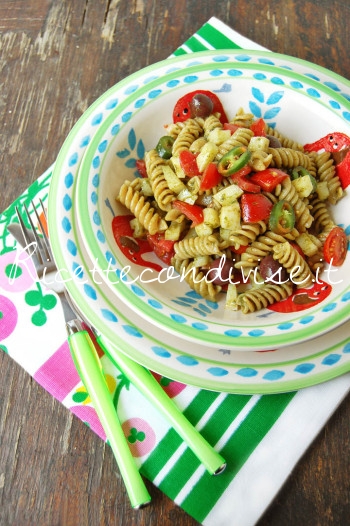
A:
[123,235]
[230,126]
[192,212]
[211,177]
[188,162]
[245,183]
[258,128]
[268,179]
[163,248]
[141,167]
[343,171]
[255,207]
[182,111]
[335,247]
[243,171]
[240,250]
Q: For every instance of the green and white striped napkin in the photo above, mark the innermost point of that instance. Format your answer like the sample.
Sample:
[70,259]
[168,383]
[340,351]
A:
[260,437]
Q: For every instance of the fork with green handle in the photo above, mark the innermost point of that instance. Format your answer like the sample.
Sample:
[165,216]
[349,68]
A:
[85,357]
[90,371]
[138,375]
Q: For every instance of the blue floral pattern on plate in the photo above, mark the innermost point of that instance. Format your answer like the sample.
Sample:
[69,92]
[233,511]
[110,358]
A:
[218,368]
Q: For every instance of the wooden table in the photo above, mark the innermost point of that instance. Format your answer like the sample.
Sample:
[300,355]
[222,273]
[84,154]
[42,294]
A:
[56,58]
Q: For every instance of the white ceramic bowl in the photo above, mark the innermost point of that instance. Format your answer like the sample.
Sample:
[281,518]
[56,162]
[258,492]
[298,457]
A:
[303,102]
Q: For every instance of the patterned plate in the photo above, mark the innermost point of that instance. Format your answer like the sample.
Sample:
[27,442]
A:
[207,367]
[267,88]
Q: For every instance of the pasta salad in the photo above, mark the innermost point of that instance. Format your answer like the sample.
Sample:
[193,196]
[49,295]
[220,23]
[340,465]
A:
[236,206]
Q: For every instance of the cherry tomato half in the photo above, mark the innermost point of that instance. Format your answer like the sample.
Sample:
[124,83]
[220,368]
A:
[335,247]
[182,110]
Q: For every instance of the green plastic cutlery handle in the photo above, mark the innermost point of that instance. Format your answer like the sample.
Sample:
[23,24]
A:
[89,368]
[145,382]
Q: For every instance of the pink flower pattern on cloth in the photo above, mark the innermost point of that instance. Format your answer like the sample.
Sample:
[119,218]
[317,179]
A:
[140,436]
[17,275]
[8,317]
[17,271]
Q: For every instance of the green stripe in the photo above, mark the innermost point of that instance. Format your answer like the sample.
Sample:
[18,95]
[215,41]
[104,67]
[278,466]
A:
[216,39]
[195,45]
[179,52]
[247,437]
[171,441]
[223,417]
[161,454]
[216,426]
[199,405]
[175,479]
[212,36]
[212,432]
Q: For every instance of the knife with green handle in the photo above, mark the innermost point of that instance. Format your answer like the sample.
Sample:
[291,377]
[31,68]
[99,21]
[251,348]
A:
[90,371]
[145,382]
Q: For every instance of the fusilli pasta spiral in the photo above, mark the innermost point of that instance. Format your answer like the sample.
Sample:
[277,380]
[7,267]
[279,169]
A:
[142,209]
[195,278]
[197,246]
[260,297]
[162,193]
[292,261]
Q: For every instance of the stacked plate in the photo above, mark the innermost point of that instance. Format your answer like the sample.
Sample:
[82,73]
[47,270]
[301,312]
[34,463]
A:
[152,316]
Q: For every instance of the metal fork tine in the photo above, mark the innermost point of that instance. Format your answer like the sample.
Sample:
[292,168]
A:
[33,253]
[38,248]
[41,252]
[23,226]
[44,240]
[43,209]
